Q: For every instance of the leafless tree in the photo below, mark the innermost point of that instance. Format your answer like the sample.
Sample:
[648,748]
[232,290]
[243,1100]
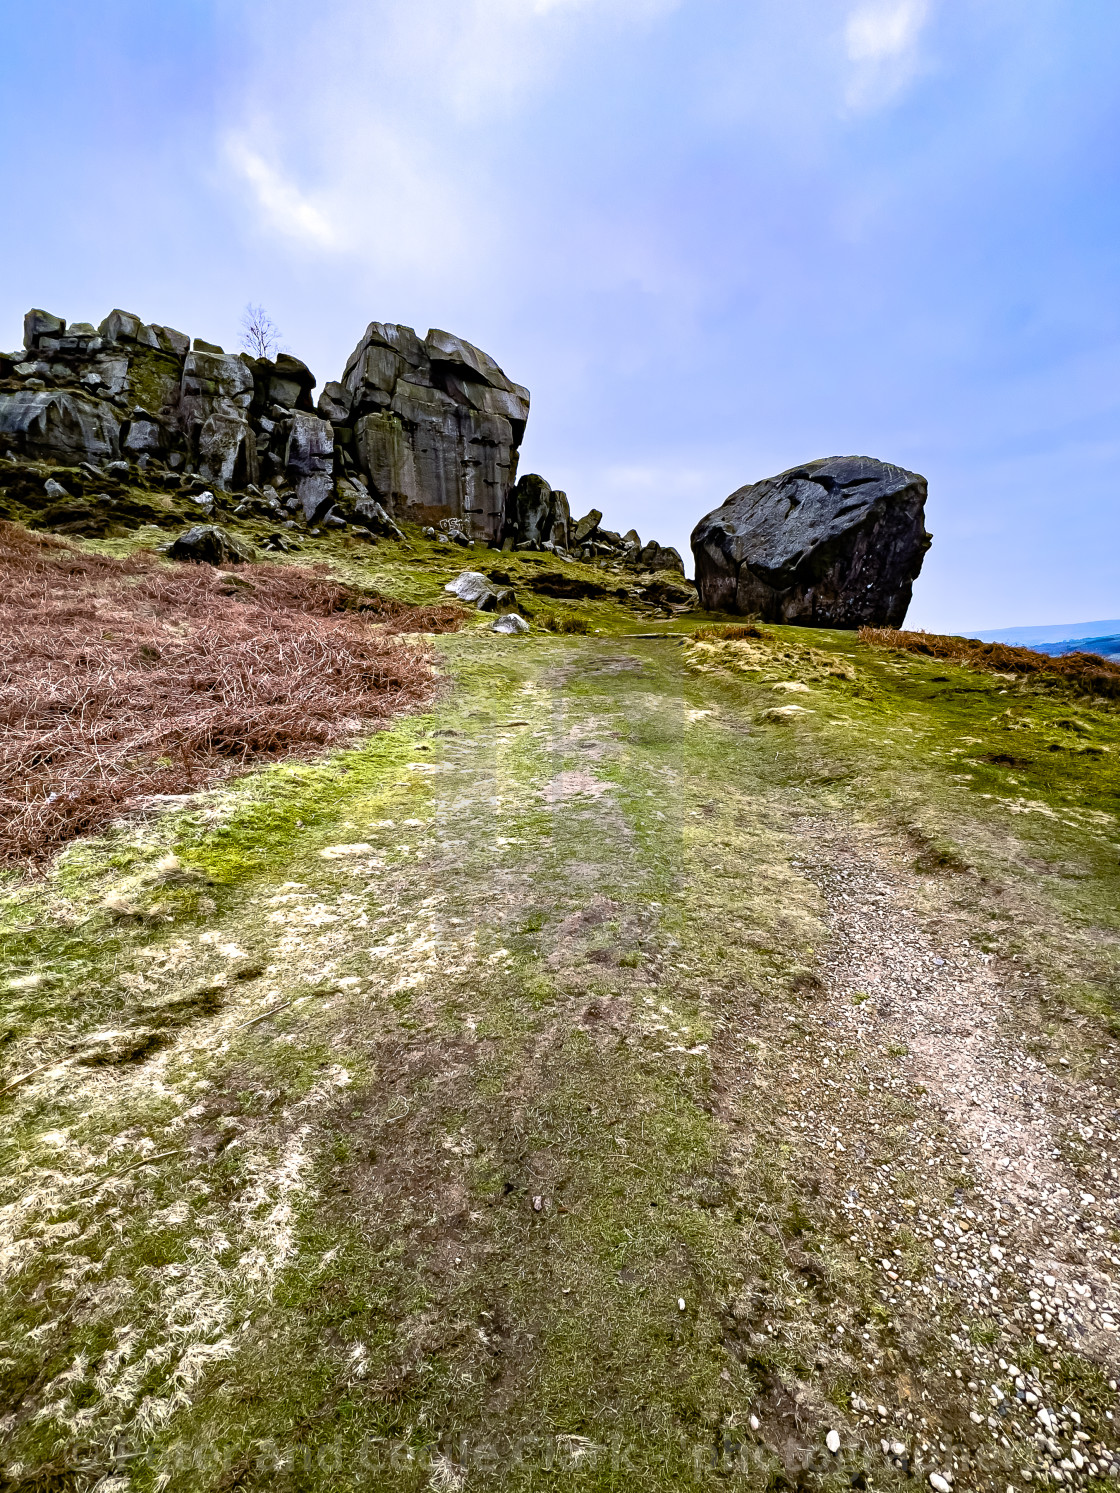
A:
[259,333]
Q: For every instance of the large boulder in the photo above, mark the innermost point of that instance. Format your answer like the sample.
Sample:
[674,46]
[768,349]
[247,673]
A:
[58,424]
[210,544]
[309,460]
[437,426]
[537,514]
[217,390]
[833,543]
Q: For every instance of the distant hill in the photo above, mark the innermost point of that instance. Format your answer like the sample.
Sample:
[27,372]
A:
[1062,637]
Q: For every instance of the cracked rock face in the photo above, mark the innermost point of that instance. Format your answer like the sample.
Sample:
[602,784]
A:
[833,543]
[437,426]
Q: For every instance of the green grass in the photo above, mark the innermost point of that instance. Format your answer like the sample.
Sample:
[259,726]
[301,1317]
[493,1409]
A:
[579,999]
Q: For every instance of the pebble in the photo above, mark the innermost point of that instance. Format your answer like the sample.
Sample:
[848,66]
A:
[940,1484]
[832,1441]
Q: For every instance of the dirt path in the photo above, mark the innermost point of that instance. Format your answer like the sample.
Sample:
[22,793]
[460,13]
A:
[1031,1255]
[578,1106]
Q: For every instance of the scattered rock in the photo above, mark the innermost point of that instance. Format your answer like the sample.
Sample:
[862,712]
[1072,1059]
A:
[586,526]
[210,544]
[471,586]
[510,623]
[833,543]
[373,515]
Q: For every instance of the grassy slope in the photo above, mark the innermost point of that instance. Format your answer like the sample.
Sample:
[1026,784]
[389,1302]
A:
[529,1092]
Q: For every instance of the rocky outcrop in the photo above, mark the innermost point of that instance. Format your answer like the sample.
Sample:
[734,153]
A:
[436,427]
[536,516]
[430,427]
[833,543]
[417,430]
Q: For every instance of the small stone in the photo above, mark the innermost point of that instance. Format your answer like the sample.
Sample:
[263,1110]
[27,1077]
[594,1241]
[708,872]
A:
[510,623]
[54,490]
[832,1441]
[754,1422]
[939,1483]
[680,1303]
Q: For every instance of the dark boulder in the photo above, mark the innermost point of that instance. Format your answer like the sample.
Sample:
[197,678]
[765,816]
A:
[833,543]
[210,544]
[536,514]
[654,556]
[585,527]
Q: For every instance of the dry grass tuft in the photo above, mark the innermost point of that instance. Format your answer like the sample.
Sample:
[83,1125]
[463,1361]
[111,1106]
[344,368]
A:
[564,624]
[727,632]
[1085,673]
[122,679]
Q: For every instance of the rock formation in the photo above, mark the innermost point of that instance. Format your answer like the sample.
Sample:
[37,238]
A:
[423,431]
[536,516]
[833,543]
[434,426]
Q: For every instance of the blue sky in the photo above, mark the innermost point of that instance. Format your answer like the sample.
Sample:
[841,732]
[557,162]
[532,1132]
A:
[714,237]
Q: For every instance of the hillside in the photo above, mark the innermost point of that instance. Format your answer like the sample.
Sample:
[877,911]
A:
[645,1062]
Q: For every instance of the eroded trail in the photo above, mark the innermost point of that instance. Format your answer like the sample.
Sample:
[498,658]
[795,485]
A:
[567,1109]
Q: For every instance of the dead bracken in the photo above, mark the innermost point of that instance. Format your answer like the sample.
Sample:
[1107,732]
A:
[122,679]
[1085,673]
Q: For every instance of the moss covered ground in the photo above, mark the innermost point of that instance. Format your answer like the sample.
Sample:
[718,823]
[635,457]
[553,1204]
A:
[491,1105]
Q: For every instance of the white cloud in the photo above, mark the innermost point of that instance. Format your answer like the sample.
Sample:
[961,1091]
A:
[881,42]
[876,32]
[284,206]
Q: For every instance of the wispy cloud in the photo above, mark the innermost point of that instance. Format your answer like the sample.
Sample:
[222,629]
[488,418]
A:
[281,202]
[881,42]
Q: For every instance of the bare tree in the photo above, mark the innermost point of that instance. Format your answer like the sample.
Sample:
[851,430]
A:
[259,333]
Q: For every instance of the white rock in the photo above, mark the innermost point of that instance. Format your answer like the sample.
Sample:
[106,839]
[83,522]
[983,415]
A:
[941,1484]
[754,1422]
[469,586]
[832,1441]
[510,623]
[680,1303]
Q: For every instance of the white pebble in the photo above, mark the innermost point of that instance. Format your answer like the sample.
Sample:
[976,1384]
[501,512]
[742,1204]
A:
[680,1302]
[940,1484]
[832,1441]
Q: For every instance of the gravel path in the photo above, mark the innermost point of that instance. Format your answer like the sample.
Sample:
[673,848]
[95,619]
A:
[927,1031]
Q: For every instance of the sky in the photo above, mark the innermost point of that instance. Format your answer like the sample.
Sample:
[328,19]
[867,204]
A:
[716,238]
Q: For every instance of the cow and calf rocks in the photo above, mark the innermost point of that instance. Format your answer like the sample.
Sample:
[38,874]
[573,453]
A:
[834,543]
[423,431]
